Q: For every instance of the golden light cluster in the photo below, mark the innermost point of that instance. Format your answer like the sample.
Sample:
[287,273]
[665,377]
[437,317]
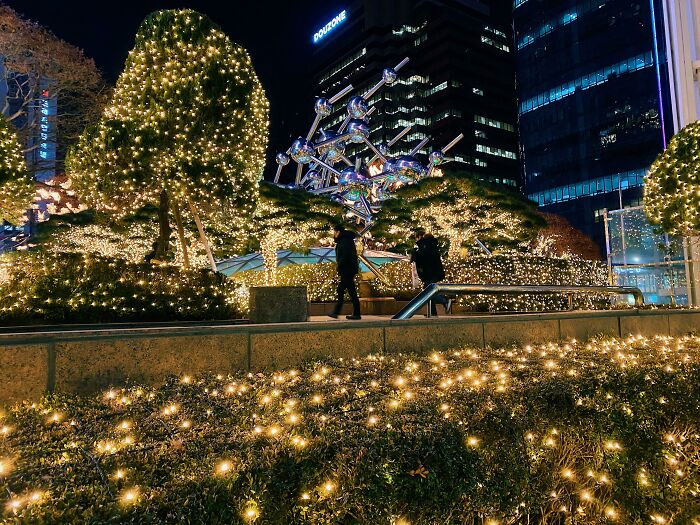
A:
[234,421]
[188,116]
[16,185]
[672,187]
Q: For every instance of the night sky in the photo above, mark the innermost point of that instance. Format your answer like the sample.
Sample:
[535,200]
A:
[276,33]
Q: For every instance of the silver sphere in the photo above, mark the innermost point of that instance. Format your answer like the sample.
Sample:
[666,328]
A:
[357,107]
[323,107]
[301,151]
[358,130]
[408,169]
[282,159]
[436,158]
[332,151]
[389,75]
[355,184]
[313,179]
[383,148]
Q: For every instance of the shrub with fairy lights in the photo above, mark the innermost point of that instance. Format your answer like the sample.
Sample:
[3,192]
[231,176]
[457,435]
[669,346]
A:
[457,210]
[186,131]
[80,288]
[672,187]
[579,433]
[16,184]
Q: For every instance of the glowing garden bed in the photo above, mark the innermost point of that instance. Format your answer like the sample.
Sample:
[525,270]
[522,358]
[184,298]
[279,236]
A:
[598,432]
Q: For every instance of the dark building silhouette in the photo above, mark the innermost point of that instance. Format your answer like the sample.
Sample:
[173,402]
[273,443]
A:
[460,78]
[593,103]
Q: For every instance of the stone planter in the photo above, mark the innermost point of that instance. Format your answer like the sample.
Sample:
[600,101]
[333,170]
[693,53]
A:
[278,304]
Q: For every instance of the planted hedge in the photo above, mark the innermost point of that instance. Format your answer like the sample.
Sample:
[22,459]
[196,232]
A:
[81,288]
[594,433]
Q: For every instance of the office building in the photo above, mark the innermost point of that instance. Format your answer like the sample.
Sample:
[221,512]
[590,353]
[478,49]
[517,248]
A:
[460,78]
[593,101]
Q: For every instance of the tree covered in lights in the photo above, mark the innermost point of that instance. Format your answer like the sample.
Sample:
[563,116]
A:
[16,184]
[186,132]
[672,187]
[292,219]
[458,211]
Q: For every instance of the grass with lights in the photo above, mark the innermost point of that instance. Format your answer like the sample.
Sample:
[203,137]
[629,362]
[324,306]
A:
[580,433]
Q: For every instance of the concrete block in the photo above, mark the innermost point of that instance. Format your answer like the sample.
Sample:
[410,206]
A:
[583,328]
[24,372]
[433,335]
[647,325]
[90,366]
[283,349]
[278,304]
[684,323]
[504,333]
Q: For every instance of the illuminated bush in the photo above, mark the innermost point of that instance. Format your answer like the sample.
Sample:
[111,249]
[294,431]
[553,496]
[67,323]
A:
[74,288]
[672,187]
[16,184]
[561,434]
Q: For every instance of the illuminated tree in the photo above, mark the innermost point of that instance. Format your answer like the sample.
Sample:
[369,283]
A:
[16,185]
[186,132]
[672,187]
[291,218]
[560,239]
[33,59]
[458,211]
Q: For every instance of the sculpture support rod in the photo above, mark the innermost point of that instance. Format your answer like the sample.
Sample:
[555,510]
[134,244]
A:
[401,64]
[327,166]
[300,169]
[377,153]
[314,126]
[280,167]
[401,135]
[419,146]
[335,98]
[453,143]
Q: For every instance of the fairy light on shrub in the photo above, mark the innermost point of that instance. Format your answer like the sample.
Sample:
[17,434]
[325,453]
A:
[188,117]
[16,185]
[540,429]
[672,187]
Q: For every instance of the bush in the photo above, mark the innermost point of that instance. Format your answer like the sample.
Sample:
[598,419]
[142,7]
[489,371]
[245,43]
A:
[320,279]
[508,269]
[76,288]
[573,433]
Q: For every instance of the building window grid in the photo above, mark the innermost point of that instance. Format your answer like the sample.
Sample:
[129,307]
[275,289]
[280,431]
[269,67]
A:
[636,63]
[607,184]
[496,151]
[343,65]
[491,42]
[494,123]
[561,21]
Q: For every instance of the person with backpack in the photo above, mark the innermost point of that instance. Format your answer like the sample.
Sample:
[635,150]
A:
[348,267]
[426,257]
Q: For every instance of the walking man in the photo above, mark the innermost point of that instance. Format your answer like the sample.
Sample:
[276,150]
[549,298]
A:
[426,256]
[348,267]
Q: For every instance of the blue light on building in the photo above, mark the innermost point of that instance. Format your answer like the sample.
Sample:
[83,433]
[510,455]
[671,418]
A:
[330,26]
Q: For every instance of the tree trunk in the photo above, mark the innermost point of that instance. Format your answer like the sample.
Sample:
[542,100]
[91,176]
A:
[202,235]
[181,235]
[164,229]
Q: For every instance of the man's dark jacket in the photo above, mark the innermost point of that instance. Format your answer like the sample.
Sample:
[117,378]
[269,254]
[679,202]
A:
[346,254]
[427,259]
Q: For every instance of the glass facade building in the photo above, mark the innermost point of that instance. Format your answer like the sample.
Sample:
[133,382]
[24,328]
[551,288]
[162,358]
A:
[593,103]
[460,78]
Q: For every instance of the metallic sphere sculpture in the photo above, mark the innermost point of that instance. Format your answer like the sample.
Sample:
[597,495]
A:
[323,107]
[358,107]
[359,189]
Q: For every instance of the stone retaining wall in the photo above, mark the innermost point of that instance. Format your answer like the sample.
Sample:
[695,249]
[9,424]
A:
[84,361]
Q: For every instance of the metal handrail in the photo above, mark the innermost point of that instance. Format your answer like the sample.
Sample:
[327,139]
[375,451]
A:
[498,289]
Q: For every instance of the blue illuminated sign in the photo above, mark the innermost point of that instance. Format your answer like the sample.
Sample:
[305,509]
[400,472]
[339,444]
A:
[330,26]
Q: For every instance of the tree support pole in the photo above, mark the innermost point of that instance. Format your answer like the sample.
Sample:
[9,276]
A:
[181,235]
[202,235]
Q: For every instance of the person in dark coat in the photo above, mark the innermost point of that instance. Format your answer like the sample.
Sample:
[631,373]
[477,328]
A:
[426,256]
[348,268]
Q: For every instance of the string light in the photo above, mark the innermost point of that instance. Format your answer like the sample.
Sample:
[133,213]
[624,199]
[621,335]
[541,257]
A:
[16,185]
